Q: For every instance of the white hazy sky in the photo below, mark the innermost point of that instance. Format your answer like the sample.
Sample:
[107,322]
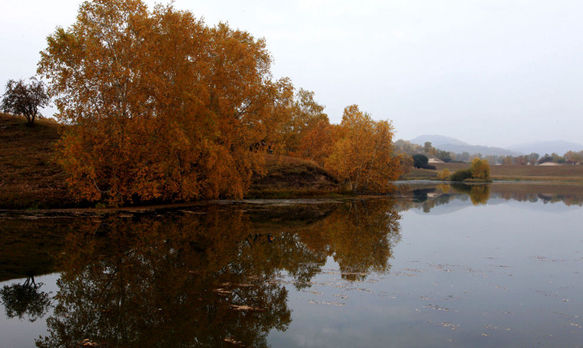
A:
[492,72]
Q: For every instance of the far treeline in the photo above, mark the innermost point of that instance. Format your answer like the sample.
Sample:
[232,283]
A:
[157,106]
[427,149]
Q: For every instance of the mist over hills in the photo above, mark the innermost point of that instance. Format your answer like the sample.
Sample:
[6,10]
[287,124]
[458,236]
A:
[541,147]
[457,146]
[437,140]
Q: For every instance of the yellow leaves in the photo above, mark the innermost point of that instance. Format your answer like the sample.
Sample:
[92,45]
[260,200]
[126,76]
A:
[363,154]
[444,174]
[303,115]
[480,169]
[318,141]
[359,151]
[479,194]
[160,105]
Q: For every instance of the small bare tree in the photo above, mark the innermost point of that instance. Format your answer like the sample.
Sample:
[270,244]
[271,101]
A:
[25,99]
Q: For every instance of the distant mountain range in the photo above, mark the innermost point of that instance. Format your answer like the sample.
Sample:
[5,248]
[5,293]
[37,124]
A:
[457,146]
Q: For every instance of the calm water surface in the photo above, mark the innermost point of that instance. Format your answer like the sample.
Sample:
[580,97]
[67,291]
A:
[433,266]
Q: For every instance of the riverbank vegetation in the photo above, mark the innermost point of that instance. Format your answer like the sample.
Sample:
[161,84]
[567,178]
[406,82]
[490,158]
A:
[557,174]
[32,178]
[156,106]
[479,171]
[437,155]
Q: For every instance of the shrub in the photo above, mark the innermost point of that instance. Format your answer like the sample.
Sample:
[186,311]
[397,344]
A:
[461,175]
[421,161]
[480,169]
[444,174]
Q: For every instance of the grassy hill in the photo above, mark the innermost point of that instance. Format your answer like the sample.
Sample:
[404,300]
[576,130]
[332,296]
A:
[289,176]
[30,178]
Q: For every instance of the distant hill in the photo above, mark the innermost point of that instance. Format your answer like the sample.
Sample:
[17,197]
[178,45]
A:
[457,146]
[437,140]
[542,147]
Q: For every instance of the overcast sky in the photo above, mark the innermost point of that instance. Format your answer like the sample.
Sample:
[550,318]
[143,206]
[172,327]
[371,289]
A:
[491,72]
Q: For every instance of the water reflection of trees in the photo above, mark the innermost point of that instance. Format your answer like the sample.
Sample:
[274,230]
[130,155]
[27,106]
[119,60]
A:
[572,195]
[479,193]
[428,196]
[28,246]
[25,299]
[212,279]
[360,237]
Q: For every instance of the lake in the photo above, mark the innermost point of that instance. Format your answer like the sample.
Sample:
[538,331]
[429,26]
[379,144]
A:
[430,266]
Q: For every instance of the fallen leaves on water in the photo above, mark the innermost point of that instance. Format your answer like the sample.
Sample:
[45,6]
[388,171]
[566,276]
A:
[436,308]
[221,291]
[337,304]
[449,325]
[87,343]
[233,341]
[246,308]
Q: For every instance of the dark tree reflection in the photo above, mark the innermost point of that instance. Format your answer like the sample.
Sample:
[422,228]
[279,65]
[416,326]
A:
[170,281]
[360,236]
[479,194]
[25,299]
[207,278]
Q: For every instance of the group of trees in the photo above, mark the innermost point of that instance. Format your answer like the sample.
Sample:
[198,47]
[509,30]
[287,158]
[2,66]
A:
[359,151]
[570,157]
[159,106]
[573,157]
[427,150]
[518,160]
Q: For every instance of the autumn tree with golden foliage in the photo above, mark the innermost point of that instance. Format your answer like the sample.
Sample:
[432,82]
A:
[363,155]
[480,169]
[318,142]
[443,174]
[305,114]
[159,106]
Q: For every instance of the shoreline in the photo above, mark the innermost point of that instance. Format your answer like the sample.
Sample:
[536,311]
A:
[323,198]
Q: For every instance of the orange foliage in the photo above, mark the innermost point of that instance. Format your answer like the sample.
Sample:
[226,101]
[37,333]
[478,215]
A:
[363,155]
[359,151]
[480,169]
[160,106]
[318,142]
[304,114]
